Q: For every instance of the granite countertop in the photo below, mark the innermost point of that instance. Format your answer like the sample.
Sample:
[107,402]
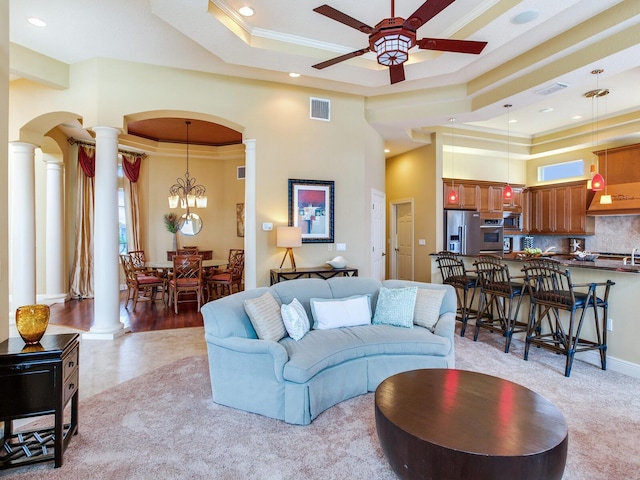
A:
[606,261]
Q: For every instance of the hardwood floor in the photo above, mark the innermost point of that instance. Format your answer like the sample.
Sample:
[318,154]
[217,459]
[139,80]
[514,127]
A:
[148,315]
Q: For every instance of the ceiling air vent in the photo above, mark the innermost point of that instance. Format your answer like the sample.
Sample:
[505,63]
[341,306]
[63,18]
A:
[320,109]
[241,173]
[549,89]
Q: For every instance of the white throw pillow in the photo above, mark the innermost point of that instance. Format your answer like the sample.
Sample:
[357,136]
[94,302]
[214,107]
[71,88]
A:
[295,319]
[264,313]
[343,312]
[427,311]
[395,306]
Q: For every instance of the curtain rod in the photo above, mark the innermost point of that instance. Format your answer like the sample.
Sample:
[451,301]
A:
[73,141]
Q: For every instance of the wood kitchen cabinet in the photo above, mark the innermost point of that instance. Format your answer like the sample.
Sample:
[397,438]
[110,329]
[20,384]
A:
[516,202]
[559,210]
[490,198]
[467,195]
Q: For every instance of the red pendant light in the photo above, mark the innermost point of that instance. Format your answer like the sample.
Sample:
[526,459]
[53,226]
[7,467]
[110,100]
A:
[597,181]
[507,192]
[452,197]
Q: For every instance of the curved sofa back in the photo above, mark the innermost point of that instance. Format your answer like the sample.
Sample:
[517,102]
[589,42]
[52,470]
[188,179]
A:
[226,317]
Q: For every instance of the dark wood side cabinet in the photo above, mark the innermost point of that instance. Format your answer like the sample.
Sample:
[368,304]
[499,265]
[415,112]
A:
[282,274]
[35,381]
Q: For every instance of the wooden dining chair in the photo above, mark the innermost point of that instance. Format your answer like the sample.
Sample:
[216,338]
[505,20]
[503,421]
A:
[221,283]
[141,286]
[186,278]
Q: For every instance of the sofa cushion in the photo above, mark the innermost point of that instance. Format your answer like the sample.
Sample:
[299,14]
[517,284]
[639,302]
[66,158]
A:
[427,309]
[395,306]
[321,349]
[265,316]
[295,319]
[341,312]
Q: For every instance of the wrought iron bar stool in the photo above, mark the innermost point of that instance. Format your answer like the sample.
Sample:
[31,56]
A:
[500,299]
[551,291]
[454,273]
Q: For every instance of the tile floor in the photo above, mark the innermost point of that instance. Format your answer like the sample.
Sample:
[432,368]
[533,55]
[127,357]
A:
[107,363]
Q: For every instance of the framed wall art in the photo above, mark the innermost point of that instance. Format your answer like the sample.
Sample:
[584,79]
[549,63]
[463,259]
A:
[311,207]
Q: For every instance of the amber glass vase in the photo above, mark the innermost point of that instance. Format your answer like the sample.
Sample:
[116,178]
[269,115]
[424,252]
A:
[32,322]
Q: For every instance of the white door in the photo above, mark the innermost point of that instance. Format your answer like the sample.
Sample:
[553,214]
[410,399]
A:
[378,225]
[403,245]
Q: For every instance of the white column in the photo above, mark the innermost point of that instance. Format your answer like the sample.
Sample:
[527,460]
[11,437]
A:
[23,225]
[250,234]
[106,304]
[56,291]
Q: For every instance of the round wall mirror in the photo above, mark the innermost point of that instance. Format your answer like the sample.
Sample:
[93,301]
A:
[191,224]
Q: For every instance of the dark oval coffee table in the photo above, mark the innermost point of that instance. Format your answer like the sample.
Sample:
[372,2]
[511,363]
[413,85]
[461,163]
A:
[456,424]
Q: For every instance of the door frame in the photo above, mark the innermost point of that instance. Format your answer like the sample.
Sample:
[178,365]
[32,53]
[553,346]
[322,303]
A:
[393,236]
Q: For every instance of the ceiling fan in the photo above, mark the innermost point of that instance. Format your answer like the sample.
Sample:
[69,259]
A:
[393,37]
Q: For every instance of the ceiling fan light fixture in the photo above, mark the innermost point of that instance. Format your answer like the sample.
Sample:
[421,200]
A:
[393,49]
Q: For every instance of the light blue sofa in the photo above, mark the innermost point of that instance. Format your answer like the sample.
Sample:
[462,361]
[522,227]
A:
[296,381]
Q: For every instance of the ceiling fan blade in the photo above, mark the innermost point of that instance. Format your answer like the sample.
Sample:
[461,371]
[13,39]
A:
[449,45]
[341,58]
[396,73]
[426,12]
[338,16]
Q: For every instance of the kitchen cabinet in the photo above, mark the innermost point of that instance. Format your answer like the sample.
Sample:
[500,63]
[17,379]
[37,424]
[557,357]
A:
[467,195]
[490,199]
[515,203]
[559,210]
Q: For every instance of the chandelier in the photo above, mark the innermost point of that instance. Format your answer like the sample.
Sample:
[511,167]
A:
[185,191]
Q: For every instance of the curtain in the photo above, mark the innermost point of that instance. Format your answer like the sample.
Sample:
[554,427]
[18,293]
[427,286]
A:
[131,167]
[82,270]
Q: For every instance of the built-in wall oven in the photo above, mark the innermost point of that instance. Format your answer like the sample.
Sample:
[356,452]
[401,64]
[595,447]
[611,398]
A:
[491,236]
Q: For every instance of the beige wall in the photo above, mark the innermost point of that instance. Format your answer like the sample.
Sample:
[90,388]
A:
[412,177]
[4,170]
[288,145]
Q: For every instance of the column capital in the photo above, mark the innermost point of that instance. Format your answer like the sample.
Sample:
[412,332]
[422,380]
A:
[106,131]
[22,147]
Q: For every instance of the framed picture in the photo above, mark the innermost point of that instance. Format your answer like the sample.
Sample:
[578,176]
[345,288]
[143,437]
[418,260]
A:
[311,208]
[240,219]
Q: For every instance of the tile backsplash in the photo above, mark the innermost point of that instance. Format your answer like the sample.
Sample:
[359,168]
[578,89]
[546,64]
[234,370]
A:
[614,234]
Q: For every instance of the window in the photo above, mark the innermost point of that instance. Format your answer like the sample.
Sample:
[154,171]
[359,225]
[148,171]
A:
[557,171]
[122,217]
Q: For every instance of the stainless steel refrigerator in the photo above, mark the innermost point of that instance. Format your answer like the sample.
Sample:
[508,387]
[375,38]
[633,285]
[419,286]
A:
[462,231]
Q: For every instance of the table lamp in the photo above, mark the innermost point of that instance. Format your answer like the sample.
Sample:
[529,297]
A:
[289,237]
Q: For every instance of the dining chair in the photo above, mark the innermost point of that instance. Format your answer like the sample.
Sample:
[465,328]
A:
[186,278]
[454,273]
[552,291]
[222,282]
[141,286]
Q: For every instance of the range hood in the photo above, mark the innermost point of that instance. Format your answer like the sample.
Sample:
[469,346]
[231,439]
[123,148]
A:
[625,200]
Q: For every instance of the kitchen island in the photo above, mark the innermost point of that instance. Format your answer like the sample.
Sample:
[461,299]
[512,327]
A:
[623,354]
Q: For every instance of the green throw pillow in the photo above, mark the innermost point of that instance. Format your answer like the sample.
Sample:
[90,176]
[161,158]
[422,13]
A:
[395,306]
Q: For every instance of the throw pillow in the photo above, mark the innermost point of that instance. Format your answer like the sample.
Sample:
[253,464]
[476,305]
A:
[395,306]
[295,319]
[427,309]
[343,312]
[264,313]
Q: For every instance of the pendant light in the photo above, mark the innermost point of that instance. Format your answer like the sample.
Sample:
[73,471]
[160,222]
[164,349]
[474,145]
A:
[597,181]
[452,197]
[507,193]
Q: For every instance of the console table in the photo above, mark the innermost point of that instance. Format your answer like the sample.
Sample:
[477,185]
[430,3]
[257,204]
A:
[38,380]
[281,274]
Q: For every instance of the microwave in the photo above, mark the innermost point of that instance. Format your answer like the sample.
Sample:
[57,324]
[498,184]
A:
[512,221]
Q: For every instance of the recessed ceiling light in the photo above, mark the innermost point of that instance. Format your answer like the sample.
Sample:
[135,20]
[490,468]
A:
[294,75]
[245,11]
[525,17]
[546,110]
[386,150]
[513,120]
[576,117]
[36,22]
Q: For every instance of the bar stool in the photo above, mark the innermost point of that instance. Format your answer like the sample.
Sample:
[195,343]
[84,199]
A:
[500,299]
[551,290]
[454,273]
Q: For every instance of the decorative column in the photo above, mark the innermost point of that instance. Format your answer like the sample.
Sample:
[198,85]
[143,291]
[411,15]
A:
[23,225]
[106,305]
[56,291]
[250,234]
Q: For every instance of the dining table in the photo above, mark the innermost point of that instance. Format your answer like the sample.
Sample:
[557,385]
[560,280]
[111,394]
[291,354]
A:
[168,264]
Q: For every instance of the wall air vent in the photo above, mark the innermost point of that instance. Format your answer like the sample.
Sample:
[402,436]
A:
[549,89]
[241,172]
[320,109]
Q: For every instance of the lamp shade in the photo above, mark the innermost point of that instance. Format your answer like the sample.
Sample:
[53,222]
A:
[597,183]
[289,237]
